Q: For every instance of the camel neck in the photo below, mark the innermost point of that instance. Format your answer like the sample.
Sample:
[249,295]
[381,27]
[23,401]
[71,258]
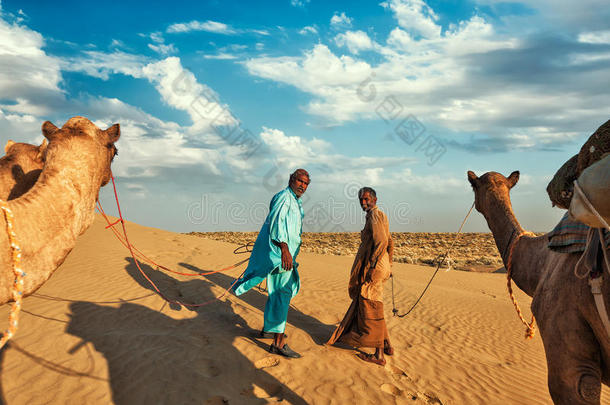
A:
[506,230]
[504,226]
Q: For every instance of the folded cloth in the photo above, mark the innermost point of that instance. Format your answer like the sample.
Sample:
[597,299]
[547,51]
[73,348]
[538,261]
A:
[570,236]
[590,201]
[560,189]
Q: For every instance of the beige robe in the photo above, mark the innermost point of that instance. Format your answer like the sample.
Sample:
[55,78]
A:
[363,324]
[372,263]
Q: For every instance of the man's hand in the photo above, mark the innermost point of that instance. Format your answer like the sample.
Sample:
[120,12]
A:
[286,256]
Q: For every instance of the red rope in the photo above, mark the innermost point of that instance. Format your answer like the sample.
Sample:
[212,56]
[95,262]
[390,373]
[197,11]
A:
[145,258]
[125,241]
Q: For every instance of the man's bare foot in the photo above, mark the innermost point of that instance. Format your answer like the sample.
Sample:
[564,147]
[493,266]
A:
[371,358]
[279,340]
[387,348]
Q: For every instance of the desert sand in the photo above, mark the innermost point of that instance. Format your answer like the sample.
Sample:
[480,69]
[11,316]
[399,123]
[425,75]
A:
[96,333]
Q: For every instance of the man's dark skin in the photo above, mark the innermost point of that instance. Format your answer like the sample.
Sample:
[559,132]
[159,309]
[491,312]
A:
[368,202]
[298,184]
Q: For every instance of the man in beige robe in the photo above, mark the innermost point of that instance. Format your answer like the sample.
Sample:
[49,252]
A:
[364,323]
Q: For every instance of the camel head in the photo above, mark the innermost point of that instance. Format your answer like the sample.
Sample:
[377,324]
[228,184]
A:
[35,154]
[491,188]
[84,140]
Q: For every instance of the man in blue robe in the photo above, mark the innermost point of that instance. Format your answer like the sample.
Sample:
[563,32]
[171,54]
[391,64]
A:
[274,259]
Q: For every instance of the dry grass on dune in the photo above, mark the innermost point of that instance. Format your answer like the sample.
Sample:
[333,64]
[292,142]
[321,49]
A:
[471,251]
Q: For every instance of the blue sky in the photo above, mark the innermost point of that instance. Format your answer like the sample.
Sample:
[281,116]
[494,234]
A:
[219,101]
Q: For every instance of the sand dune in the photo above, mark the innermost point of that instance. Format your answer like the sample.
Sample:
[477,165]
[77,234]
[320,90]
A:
[95,333]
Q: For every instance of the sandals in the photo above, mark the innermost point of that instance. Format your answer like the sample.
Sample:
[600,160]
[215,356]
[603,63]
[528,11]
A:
[371,358]
[285,351]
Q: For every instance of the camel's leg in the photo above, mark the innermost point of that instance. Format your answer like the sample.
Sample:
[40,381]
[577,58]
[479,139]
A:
[573,356]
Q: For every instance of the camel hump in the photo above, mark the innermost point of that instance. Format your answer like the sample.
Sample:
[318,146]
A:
[78,121]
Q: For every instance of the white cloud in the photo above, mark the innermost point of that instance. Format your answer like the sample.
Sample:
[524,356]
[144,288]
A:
[449,79]
[213,27]
[208,26]
[299,3]
[157,37]
[432,184]
[220,56]
[355,41]
[308,30]
[332,79]
[102,64]
[413,69]
[153,145]
[293,151]
[160,46]
[117,43]
[474,36]
[163,49]
[180,89]
[415,16]
[26,71]
[340,21]
[259,32]
[597,37]
[136,190]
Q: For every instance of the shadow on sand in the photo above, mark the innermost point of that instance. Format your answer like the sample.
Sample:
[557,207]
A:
[318,331]
[153,358]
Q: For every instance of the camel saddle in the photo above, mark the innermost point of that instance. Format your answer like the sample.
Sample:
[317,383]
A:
[570,236]
[561,188]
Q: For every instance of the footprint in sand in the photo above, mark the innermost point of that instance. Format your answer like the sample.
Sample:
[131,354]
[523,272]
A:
[267,362]
[217,400]
[489,294]
[431,398]
[391,389]
[208,369]
[398,373]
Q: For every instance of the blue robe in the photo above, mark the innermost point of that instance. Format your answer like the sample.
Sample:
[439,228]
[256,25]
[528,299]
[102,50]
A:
[283,224]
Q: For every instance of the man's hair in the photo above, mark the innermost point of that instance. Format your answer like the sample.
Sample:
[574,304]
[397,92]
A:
[298,172]
[367,190]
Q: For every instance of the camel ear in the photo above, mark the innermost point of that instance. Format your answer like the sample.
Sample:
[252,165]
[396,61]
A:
[48,130]
[513,179]
[472,178]
[113,133]
[42,149]
[9,143]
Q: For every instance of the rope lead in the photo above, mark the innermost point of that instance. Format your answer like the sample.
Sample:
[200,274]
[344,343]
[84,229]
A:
[438,266]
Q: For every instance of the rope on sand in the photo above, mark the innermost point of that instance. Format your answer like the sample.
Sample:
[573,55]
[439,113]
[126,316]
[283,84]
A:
[17,293]
[531,326]
[132,250]
[438,266]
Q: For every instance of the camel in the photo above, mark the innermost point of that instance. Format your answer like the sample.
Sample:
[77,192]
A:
[60,206]
[576,344]
[20,168]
